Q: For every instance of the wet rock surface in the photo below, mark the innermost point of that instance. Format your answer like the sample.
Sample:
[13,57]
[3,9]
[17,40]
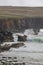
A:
[22,38]
[17,45]
[10,61]
[19,61]
[6,47]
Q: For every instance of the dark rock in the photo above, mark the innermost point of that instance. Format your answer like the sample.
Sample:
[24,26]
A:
[22,38]
[36,31]
[6,37]
[15,57]
[5,47]
[1,37]
[17,45]
[18,63]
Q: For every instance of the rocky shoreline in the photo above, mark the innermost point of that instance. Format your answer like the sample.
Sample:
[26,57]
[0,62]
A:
[6,47]
[19,60]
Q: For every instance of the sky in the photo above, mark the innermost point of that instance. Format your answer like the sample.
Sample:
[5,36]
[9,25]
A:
[33,3]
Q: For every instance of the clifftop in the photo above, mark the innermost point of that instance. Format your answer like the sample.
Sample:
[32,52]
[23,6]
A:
[19,12]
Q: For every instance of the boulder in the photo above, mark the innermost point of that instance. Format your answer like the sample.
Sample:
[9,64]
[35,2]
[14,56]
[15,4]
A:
[17,45]
[4,47]
[22,38]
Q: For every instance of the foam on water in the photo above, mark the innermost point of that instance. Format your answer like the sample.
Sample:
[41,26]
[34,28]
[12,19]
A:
[26,51]
[34,43]
[30,35]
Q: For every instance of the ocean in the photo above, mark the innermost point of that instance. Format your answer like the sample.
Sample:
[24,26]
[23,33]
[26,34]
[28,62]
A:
[29,54]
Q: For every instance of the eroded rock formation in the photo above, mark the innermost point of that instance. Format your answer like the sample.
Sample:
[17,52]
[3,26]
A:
[6,37]
[6,47]
[22,38]
[10,25]
[18,25]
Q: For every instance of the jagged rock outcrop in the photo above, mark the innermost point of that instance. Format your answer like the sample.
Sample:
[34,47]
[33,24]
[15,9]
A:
[22,38]
[6,37]
[6,47]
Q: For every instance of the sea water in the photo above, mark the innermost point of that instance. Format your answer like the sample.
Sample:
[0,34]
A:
[31,53]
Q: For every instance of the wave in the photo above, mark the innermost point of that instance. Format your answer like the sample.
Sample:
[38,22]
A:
[36,40]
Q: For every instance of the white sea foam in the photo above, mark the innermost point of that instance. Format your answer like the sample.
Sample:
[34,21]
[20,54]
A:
[34,43]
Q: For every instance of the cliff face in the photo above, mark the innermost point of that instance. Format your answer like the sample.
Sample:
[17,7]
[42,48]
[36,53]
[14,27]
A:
[15,25]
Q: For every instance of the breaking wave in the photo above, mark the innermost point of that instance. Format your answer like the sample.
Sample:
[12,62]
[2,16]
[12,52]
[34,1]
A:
[34,38]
